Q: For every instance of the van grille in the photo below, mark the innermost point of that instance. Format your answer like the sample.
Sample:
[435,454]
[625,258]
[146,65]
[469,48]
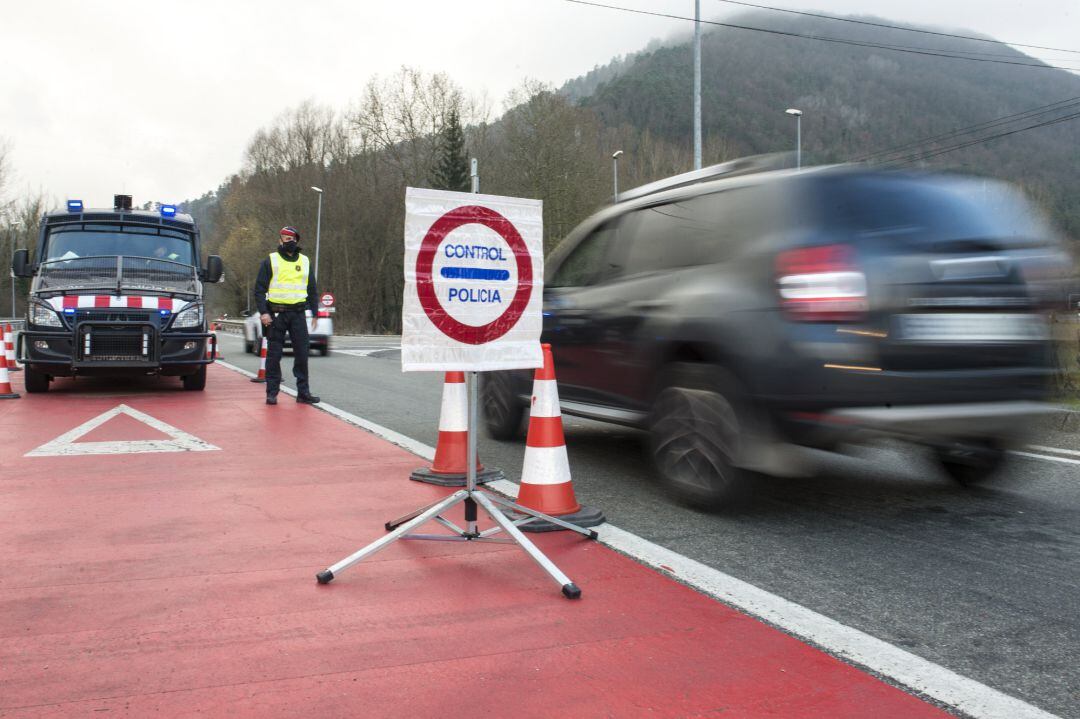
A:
[116,345]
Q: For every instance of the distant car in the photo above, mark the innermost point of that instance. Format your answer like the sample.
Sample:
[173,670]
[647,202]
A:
[320,337]
[737,315]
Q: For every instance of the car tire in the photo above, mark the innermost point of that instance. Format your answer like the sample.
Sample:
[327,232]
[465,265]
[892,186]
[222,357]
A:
[324,350]
[697,429]
[503,411]
[249,347]
[34,381]
[971,463]
[195,382]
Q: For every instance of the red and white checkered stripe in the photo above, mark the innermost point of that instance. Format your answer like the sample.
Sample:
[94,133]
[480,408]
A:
[145,302]
[9,347]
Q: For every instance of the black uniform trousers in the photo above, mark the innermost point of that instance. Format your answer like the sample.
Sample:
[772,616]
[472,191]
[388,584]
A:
[295,323]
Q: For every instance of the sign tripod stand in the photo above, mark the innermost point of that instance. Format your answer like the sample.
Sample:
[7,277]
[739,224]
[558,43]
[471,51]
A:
[402,527]
[471,497]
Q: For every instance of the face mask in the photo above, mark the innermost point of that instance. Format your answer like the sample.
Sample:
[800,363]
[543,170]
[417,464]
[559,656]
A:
[288,247]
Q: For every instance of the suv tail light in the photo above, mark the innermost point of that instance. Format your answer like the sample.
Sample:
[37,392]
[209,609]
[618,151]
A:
[821,284]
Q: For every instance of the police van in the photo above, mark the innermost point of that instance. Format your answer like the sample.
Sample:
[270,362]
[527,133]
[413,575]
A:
[116,292]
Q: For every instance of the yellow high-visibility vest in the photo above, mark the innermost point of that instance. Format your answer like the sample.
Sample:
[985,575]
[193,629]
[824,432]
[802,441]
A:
[288,285]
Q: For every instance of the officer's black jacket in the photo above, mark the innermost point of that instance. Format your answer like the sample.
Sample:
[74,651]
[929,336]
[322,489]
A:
[266,273]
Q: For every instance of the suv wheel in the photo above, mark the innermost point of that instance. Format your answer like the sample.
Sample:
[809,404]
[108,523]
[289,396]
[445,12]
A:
[503,413]
[35,381]
[973,462]
[696,432]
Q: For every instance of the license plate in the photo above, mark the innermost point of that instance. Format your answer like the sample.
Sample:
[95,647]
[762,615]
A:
[971,327]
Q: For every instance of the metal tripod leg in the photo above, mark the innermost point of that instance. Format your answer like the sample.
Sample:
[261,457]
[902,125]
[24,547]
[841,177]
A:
[395,523]
[569,589]
[591,534]
[327,575]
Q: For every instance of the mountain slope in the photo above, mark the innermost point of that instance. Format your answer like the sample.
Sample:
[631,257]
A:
[855,100]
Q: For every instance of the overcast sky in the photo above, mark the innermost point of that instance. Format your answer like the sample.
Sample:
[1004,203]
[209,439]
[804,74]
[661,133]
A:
[159,99]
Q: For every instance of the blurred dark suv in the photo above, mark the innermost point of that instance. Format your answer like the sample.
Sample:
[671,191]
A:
[736,314]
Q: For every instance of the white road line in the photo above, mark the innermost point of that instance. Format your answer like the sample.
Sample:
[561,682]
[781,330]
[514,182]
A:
[407,443]
[1054,450]
[906,669]
[364,352]
[1063,460]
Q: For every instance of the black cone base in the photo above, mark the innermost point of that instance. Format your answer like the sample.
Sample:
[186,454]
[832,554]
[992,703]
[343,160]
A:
[13,395]
[257,380]
[455,480]
[584,517]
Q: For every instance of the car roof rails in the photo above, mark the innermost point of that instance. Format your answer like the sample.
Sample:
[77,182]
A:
[734,168]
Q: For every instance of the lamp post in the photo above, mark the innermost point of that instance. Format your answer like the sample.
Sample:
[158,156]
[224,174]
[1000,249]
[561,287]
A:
[697,84]
[12,227]
[798,135]
[615,172]
[318,230]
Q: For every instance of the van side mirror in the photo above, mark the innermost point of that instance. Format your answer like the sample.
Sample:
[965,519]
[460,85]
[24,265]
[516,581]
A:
[20,264]
[215,269]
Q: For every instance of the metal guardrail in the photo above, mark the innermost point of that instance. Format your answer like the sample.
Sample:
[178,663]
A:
[17,325]
[233,327]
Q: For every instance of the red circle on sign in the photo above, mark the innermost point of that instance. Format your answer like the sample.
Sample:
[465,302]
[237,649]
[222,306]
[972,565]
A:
[425,285]
[327,300]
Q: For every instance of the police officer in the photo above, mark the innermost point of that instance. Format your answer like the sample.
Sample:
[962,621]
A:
[285,288]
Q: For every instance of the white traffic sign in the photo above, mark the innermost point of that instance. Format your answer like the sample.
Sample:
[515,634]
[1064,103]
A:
[474,270]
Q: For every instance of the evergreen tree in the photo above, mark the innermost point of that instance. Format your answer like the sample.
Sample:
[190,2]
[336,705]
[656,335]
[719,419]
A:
[452,170]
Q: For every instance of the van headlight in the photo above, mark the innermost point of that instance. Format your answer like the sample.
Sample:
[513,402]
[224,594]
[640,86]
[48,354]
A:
[44,316]
[190,317]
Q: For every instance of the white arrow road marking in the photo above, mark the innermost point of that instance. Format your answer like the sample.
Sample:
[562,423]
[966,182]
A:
[67,444]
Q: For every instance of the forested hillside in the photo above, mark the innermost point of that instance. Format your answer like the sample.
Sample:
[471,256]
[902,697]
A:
[557,145]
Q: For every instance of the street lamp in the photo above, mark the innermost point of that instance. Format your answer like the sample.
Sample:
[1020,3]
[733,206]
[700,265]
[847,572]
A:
[798,135]
[318,230]
[615,174]
[12,227]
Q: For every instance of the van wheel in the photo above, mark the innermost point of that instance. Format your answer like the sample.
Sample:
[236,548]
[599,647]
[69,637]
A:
[195,382]
[35,382]
[697,430]
[972,462]
[503,413]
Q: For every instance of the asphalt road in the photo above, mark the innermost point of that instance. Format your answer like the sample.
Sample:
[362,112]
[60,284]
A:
[985,582]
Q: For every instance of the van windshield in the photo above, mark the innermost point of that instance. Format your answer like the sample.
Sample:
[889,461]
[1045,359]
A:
[89,240]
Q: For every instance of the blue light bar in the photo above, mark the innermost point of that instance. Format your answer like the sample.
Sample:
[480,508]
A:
[75,205]
[168,210]
[164,313]
[69,310]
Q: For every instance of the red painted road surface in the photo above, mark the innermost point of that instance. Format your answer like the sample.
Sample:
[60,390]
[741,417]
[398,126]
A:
[179,584]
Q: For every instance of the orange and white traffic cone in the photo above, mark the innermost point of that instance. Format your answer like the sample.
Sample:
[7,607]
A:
[6,392]
[9,348]
[450,467]
[546,485]
[261,377]
[213,350]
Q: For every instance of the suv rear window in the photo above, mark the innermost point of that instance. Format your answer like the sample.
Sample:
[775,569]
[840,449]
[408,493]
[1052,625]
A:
[929,210]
